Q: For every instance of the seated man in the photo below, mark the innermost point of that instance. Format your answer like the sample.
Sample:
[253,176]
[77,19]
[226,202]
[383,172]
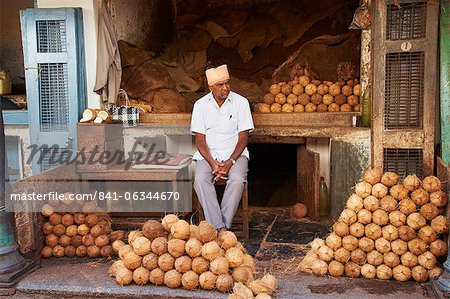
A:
[221,121]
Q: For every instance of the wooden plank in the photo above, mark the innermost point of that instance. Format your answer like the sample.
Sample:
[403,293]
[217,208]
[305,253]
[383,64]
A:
[413,138]
[276,139]
[308,173]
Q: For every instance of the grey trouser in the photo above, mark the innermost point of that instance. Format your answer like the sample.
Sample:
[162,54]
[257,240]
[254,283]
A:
[220,216]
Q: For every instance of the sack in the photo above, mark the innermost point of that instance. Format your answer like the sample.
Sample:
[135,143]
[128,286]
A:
[128,115]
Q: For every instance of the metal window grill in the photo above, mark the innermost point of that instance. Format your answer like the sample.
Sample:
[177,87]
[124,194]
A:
[51,36]
[53,97]
[403,101]
[406,22]
[403,161]
[50,158]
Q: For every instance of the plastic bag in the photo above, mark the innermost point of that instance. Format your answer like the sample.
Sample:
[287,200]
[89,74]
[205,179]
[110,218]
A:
[361,18]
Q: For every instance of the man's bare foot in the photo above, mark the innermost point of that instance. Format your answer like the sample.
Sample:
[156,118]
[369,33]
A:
[223,229]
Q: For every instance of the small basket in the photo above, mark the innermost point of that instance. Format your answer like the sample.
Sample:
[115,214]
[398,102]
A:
[128,115]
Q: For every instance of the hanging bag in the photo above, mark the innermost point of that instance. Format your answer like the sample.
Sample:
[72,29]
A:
[128,115]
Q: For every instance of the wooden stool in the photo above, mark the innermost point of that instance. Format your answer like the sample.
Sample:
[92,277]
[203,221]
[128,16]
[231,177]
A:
[238,221]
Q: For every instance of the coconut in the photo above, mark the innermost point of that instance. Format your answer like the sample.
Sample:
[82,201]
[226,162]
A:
[363,189]
[274,89]
[112,270]
[428,234]
[275,107]
[235,257]
[388,203]
[299,211]
[368,271]
[207,280]
[435,272]
[352,270]
[156,276]
[438,248]
[429,211]
[47,210]
[417,246]
[308,261]
[249,262]
[416,221]
[357,230]
[371,203]
[364,216]
[166,262]
[440,224]
[141,276]
[180,230]
[333,107]
[83,230]
[431,184]
[379,190]
[342,255]
[373,231]
[64,240]
[94,251]
[150,261]
[419,273]
[397,218]
[316,243]
[81,251]
[211,250]
[241,291]
[355,202]
[242,274]
[47,228]
[406,233]
[350,243]
[88,240]
[132,235]
[380,217]
[390,232]
[391,259]
[59,230]
[366,244]
[427,260]
[159,245]
[341,229]
[193,247]
[439,199]
[91,220]
[412,182]
[398,192]
[200,265]
[76,241]
[124,276]
[55,219]
[374,258]
[384,272]
[407,206]
[189,280]
[51,240]
[389,179]
[97,230]
[382,245]
[420,197]
[224,283]
[325,253]
[71,230]
[47,252]
[319,268]
[401,273]
[206,232]
[399,247]
[408,259]
[102,240]
[124,250]
[168,221]
[172,279]
[183,264]
[176,247]
[106,251]
[219,265]
[152,229]
[116,235]
[131,260]
[358,256]
[348,216]
[227,239]
[333,241]
[373,176]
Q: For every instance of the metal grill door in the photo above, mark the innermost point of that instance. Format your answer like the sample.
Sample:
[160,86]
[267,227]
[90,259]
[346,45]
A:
[404,85]
[55,80]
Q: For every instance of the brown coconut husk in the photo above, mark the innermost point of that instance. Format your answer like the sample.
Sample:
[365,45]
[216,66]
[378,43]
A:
[156,276]
[336,269]
[412,182]
[384,272]
[364,216]
[391,260]
[180,230]
[176,247]
[189,280]
[153,229]
[401,273]
[200,265]
[183,264]
[166,262]
[417,246]
[219,265]
[419,273]
[371,203]
[420,197]
[429,211]
[440,224]
[242,274]
[438,248]
[352,270]
[399,247]
[350,243]
[374,258]
[207,280]
[366,244]
[159,245]
[357,230]
[398,192]
[150,261]
[224,283]
[206,232]
[368,271]
[408,259]
[168,221]
[227,239]
[388,203]
[416,221]
[124,276]
[141,276]
[172,279]
[431,184]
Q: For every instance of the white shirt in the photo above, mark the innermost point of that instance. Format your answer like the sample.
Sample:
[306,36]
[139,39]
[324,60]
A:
[221,125]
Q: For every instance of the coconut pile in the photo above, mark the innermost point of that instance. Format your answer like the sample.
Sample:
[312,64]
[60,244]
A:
[84,233]
[304,94]
[176,254]
[387,230]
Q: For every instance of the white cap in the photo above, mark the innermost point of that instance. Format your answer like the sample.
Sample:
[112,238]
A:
[217,75]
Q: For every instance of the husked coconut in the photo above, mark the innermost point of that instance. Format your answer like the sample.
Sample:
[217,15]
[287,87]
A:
[150,261]
[391,260]
[93,251]
[438,248]
[180,230]
[368,271]
[325,253]
[388,203]
[166,262]
[227,239]
[363,189]
[124,276]
[431,184]
[193,247]
[366,244]
[440,224]
[382,245]
[348,216]
[398,192]
[390,232]
[156,276]
[320,268]
[141,246]
[406,233]
[417,246]
[389,179]
[350,243]
[183,264]
[358,256]
[112,270]
[412,182]
[242,291]
[189,280]
[365,216]
[219,265]
[420,197]
[357,230]
[352,270]
[416,221]
[429,211]
[439,199]
[133,235]
[141,276]
[379,190]
[333,241]
[341,229]
[176,247]
[355,202]
[399,247]
[380,217]
[401,273]
[235,257]
[373,231]
[342,255]
[374,258]
[131,260]
[373,176]
[153,229]
[397,218]
[371,203]
[211,250]
[419,273]
[206,232]
[172,279]
[384,272]
[427,234]
[200,265]
[168,221]
[316,243]
[224,283]
[242,274]
[408,259]
[207,280]
[159,245]
[435,272]
[299,211]
[427,260]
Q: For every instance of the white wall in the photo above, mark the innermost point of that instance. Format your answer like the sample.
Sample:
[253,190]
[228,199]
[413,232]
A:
[90,24]
[23,134]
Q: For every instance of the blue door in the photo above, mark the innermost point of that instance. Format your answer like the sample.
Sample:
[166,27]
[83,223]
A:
[53,49]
